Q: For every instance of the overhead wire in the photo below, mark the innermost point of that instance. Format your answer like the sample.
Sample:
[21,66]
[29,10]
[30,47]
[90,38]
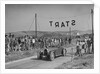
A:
[54,18]
[31,25]
[62,16]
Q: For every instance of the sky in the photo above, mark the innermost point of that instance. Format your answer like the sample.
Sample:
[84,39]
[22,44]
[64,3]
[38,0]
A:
[21,17]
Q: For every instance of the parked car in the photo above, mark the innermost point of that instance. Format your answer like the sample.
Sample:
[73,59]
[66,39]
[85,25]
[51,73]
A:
[51,52]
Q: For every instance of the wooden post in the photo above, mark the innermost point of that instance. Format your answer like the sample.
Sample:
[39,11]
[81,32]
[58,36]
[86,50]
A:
[70,35]
[35,25]
[70,31]
[92,30]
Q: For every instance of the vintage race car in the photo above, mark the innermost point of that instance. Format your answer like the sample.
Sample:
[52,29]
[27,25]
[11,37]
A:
[51,52]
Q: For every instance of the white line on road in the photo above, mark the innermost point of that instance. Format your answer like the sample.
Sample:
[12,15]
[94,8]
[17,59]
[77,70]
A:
[17,61]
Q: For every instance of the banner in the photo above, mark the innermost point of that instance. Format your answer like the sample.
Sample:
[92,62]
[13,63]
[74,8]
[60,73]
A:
[62,24]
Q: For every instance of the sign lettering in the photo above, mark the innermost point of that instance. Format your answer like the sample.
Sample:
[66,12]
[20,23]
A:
[62,24]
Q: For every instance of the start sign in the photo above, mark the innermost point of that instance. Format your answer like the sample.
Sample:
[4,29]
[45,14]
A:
[62,24]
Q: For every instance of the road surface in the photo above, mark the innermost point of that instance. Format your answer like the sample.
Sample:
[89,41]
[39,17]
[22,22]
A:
[34,63]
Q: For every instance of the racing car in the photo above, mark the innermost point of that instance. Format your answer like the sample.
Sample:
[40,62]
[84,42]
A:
[51,52]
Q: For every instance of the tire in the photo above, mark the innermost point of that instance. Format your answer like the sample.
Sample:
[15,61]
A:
[39,55]
[64,52]
[52,56]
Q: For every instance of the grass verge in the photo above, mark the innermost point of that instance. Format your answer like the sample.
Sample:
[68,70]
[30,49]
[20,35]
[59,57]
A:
[20,55]
[84,62]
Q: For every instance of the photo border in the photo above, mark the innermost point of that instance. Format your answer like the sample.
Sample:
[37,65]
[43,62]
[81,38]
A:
[96,40]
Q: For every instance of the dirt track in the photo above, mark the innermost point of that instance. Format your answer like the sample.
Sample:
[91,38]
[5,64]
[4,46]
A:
[34,63]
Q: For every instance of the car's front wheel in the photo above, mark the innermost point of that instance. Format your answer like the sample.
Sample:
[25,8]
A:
[52,56]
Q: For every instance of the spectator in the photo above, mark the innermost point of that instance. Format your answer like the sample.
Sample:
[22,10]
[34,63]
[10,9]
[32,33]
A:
[69,40]
[88,45]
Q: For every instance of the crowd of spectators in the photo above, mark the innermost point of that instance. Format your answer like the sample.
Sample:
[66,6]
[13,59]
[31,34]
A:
[84,46]
[22,43]
[29,42]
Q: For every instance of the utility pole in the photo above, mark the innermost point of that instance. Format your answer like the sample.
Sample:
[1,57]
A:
[70,31]
[35,25]
[92,30]
[70,35]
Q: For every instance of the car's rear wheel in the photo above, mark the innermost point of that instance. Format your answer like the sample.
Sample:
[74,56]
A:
[52,56]
[64,52]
